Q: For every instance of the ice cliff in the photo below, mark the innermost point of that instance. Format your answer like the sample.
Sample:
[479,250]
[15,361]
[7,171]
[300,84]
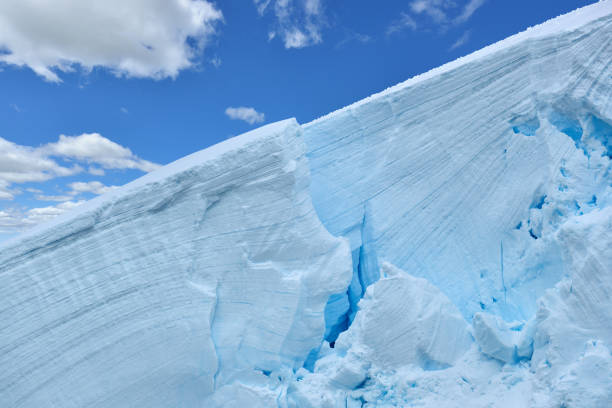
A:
[447,242]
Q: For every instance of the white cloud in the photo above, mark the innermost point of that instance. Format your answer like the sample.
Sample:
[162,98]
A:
[468,10]
[298,22]
[436,9]
[94,187]
[60,198]
[23,164]
[96,171]
[124,110]
[15,220]
[248,115]
[5,192]
[461,40]
[95,148]
[135,38]
[77,188]
[445,13]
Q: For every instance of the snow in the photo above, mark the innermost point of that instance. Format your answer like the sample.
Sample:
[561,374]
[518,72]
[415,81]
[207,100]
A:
[447,242]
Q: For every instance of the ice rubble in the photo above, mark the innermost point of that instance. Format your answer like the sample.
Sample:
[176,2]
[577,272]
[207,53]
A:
[468,260]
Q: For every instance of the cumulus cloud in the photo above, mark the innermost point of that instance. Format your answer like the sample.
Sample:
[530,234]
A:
[60,198]
[5,192]
[135,38]
[95,148]
[14,220]
[94,187]
[298,22]
[96,171]
[246,114]
[77,188]
[23,164]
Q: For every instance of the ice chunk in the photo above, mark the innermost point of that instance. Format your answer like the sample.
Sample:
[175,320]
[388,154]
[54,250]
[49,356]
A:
[507,342]
[405,320]
[578,309]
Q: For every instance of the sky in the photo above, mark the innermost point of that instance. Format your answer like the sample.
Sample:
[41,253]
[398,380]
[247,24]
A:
[94,94]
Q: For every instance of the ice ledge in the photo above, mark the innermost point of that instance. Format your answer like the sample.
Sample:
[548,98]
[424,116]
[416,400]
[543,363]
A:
[564,23]
[213,153]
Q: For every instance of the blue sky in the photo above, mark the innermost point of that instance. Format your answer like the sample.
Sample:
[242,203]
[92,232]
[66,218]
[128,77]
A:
[95,94]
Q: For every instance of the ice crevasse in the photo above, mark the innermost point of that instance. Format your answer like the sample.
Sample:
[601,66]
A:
[447,242]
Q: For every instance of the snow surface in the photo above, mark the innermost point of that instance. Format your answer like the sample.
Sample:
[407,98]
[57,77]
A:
[445,243]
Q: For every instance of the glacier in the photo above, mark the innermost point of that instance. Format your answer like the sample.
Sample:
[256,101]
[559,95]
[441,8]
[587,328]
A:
[446,242]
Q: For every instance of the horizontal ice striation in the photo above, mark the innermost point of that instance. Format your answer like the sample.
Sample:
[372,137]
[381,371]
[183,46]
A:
[463,175]
[211,269]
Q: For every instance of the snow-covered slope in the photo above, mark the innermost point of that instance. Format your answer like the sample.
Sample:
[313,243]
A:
[447,242]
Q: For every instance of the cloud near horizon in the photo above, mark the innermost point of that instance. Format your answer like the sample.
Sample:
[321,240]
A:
[24,164]
[16,220]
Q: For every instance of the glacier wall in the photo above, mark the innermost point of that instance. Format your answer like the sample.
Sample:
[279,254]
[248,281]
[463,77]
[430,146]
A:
[462,177]
[446,242]
[164,291]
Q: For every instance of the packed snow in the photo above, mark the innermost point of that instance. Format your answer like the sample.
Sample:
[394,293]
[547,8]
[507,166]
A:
[445,243]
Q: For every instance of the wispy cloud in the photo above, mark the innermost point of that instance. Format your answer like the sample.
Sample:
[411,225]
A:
[352,36]
[443,13]
[136,38]
[247,114]
[299,23]
[465,37]
[404,22]
[216,61]
[436,9]
[468,10]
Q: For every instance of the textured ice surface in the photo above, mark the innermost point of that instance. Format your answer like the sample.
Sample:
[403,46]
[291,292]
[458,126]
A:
[463,177]
[172,287]
[405,320]
[447,242]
